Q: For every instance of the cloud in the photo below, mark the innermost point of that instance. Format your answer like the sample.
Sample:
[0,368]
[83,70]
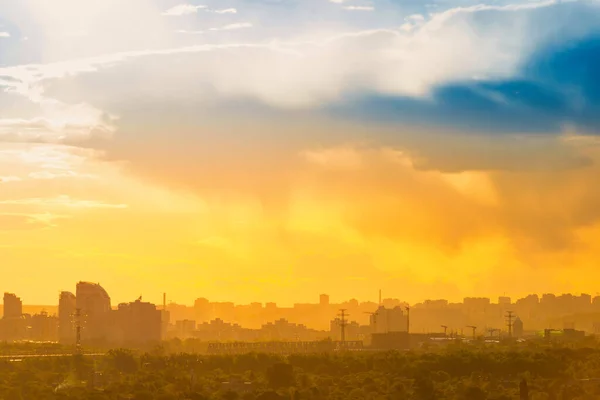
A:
[8,179]
[183,9]
[25,221]
[385,62]
[226,11]
[4,34]
[186,9]
[62,201]
[44,175]
[229,27]
[359,8]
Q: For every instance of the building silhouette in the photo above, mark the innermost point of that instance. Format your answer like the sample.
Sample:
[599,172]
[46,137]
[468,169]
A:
[386,320]
[518,328]
[66,317]
[185,328]
[93,303]
[137,323]
[43,327]
[13,306]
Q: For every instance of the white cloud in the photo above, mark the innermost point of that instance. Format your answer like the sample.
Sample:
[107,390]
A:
[40,218]
[230,27]
[186,9]
[190,32]
[183,9]
[47,175]
[226,11]
[7,179]
[359,8]
[457,44]
[62,201]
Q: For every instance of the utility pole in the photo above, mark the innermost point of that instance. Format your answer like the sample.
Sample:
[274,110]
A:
[474,330]
[407,319]
[509,323]
[77,353]
[492,331]
[78,331]
[374,315]
[343,316]
[445,328]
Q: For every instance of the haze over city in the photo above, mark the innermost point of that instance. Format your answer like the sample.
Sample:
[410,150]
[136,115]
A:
[269,151]
[299,199]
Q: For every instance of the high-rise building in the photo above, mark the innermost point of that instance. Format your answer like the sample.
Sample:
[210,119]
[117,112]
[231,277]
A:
[66,317]
[13,306]
[139,323]
[13,324]
[324,300]
[94,306]
[43,327]
[387,320]
[185,328]
[203,310]
[504,301]
[518,328]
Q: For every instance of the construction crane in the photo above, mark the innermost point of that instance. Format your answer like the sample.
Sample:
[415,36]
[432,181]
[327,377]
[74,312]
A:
[445,328]
[474,330]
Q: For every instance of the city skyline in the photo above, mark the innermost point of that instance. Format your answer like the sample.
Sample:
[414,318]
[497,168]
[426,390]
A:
[90,317]
[319,298]
[269,150]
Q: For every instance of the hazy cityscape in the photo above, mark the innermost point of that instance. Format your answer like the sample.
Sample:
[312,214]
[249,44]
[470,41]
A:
[300,199]
[90,314]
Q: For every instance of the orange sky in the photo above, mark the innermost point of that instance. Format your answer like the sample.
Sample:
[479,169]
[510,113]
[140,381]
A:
[253,152]
[344,220]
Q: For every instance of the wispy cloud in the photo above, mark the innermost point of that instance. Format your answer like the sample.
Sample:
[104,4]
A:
[47,219]
[359,8]
[8,179]
[47,175]
[230,27]
[61,122]
[226,11]
[183,9]
[62,201]
[241,25]
[187,9]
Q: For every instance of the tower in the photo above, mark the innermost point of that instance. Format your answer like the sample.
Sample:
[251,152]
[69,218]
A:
[509,323]
[343,324]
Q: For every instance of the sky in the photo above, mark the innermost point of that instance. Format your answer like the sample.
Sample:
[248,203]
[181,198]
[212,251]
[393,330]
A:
[273,150]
